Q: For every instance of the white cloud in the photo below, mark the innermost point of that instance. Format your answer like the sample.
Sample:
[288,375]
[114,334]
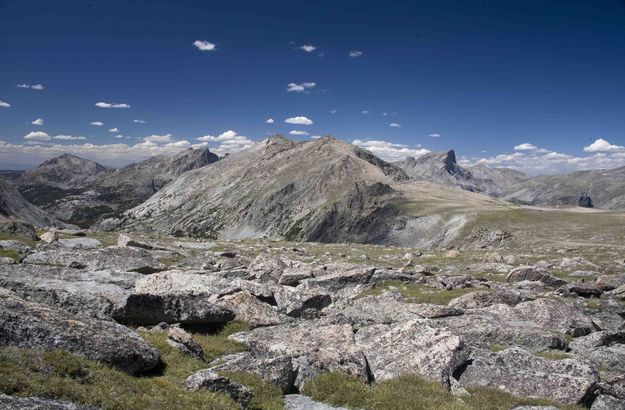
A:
[300,120]
[297,132]
[332,111]
[118,154]
[229,142]
[113,130]
[68,138]
[4,104]
[601,145]
[355,53]
[525,147]
[365,112]
[158,139]
[394,124]
[37,135]
[119,136]
[37,87]
[309,48]
[390,151]
[298,88]
[269,121]
[315,137]
[435,135]
[204,45]
[38,121]
[97,123]
[111,105]
[138,121]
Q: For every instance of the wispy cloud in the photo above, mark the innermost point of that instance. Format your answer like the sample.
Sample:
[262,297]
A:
[97,123]
[309,48]
[601,145]
[525,147]
[365,112]
[113,130]
[37,135]
[4,104]
[298,88]
[111,105]
[38,121]
[298,132]
[138,121]
[394,124]
[355,53]
[300,120]
[435,135]
[332,111]
[68,138]
[158,139]
[390,151]
[203,45]
[37,87]
[269,121]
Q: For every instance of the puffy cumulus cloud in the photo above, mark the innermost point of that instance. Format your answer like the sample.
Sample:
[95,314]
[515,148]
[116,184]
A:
[158,139]
[4,104]
[394,124]
[138,121]
[269,121]
[227,143]
[203,45]
[118,154]
[37,87]
[355,53]
[390,151]
[541,161]
[111,105]
[525,147]
[37,135]
[38,121]
[298,132]
[97,123]
[113,129]
[435,135]
[68,138]
[298,88]
[601,145]
[299,120]
[309,48]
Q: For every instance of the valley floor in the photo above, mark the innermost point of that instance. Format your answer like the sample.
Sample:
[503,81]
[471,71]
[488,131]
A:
[523,307]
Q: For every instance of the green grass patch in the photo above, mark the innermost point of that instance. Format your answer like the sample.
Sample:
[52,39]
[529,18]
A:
[415,293]
[408,392]
[172,260]
[496,347]
[9,253]
[61,375]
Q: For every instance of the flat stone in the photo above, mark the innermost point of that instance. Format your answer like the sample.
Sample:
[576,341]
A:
[211,381]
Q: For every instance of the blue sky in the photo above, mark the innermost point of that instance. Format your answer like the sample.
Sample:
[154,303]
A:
[484,76]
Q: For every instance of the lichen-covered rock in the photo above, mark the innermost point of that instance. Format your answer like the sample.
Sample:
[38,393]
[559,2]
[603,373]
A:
[27,324]
[211,381]
[534,273]
[81,243]
[604,350]
[483,298]
[583,289]
[180,283]
[334,282]
[36,403]
[556,315]
[276,369]
[610,282]
[300,402]
[411,347]
[523,374]
[293,301]
[183,341]
[605,402]
[147,309]
[314,347]
[251,310]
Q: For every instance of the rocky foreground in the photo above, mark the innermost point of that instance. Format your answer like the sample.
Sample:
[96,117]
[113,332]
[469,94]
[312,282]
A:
[548,327]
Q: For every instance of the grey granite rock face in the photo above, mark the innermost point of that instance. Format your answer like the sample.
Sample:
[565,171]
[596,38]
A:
[211,381]
[27,324]
[300,402]
[36,403]
[521,373]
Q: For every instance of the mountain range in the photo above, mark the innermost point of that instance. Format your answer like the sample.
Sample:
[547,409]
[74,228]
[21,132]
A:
[324,190]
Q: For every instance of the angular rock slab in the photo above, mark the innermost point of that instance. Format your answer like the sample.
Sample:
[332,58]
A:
[146,309]
[178,282]
[523,374]
[301,402]
[35,403]
[556,315]
[251,310]
[411,347]
[27,324]
[535,274]
[313,346]
[211,381]
[276,369]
